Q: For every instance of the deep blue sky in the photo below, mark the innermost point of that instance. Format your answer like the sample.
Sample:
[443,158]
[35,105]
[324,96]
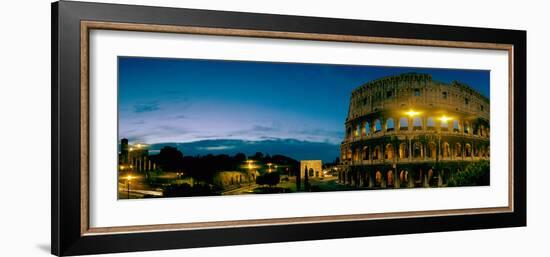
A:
[185,100]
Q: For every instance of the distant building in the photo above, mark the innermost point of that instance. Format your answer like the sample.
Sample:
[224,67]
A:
[314,168]
[134,157]
[226,179]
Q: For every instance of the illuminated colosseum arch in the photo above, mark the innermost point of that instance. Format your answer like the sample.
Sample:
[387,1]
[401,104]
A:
[390,178]
[378,178]
[376,153]
[388,152]
[377,126]
[403,151]
[456,126]
[432,150]
[446,150]
[466,127]
[404,177]
[417,123]
[468,150]
[365,153]
[390,125]
[403,123]
[356,154]
[430,123]
[417,150]
[365,129]
[458,150]
[444,125]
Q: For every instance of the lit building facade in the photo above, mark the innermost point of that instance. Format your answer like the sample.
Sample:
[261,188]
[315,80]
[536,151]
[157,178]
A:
[314,168]
[134,157]
[411,131]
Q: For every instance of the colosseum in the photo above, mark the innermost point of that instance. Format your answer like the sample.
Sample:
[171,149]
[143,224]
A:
[412,131]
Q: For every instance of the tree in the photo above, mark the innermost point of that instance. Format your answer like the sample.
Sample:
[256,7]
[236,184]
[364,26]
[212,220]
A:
[475,174]
[306,180]
[298,180]
[170,158]
[259,156]
[269,179]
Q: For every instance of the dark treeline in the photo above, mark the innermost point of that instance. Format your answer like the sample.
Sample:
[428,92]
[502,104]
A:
[204,167]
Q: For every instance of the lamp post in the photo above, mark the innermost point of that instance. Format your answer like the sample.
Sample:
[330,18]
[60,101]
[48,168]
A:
[128,179]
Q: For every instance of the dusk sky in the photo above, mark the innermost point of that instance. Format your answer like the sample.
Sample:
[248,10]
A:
[185,100]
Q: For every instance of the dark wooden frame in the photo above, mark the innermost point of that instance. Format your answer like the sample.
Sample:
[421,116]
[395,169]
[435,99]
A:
[70,23]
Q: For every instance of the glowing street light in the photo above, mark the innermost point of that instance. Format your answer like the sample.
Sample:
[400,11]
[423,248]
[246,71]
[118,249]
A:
[128,179]
[412,113]
[445,118]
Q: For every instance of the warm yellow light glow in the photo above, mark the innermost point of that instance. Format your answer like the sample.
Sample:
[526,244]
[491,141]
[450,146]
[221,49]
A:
[129,177]
[445,118]
[412,113]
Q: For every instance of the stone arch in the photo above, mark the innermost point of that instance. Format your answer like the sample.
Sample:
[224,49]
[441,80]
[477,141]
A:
[481,130]
[378,178]
[403,151]
[468,150]
[466,127]
[356,154]
[388,152]
[444,125]
[310,172]
[376,153]
[432,150]
[417,150]
[377,126]
[348,154]
[367,128]
[390,178]
[446,150]
[365,153]
[456,126]
[403,123]
[417,123]
[430,123]
[458,150]
[390,124]
[404,177]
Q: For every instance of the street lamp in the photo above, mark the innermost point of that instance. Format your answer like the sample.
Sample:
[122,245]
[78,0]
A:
[128,179]
[411,113]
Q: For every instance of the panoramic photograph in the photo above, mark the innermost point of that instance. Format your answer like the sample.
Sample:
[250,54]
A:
[197,127]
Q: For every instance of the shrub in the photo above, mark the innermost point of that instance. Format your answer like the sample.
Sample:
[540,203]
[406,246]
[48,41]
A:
[475,174]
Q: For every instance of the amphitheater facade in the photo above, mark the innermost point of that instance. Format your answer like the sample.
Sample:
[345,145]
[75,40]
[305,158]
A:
[412,131]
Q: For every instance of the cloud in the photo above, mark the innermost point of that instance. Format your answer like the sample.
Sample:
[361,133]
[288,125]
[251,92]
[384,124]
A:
[146,107]
[217,148]
[264,128]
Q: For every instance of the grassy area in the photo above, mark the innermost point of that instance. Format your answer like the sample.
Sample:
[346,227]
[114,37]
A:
[316,185]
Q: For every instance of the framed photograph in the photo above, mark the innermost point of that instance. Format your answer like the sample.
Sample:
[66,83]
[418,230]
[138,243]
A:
[177,128]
